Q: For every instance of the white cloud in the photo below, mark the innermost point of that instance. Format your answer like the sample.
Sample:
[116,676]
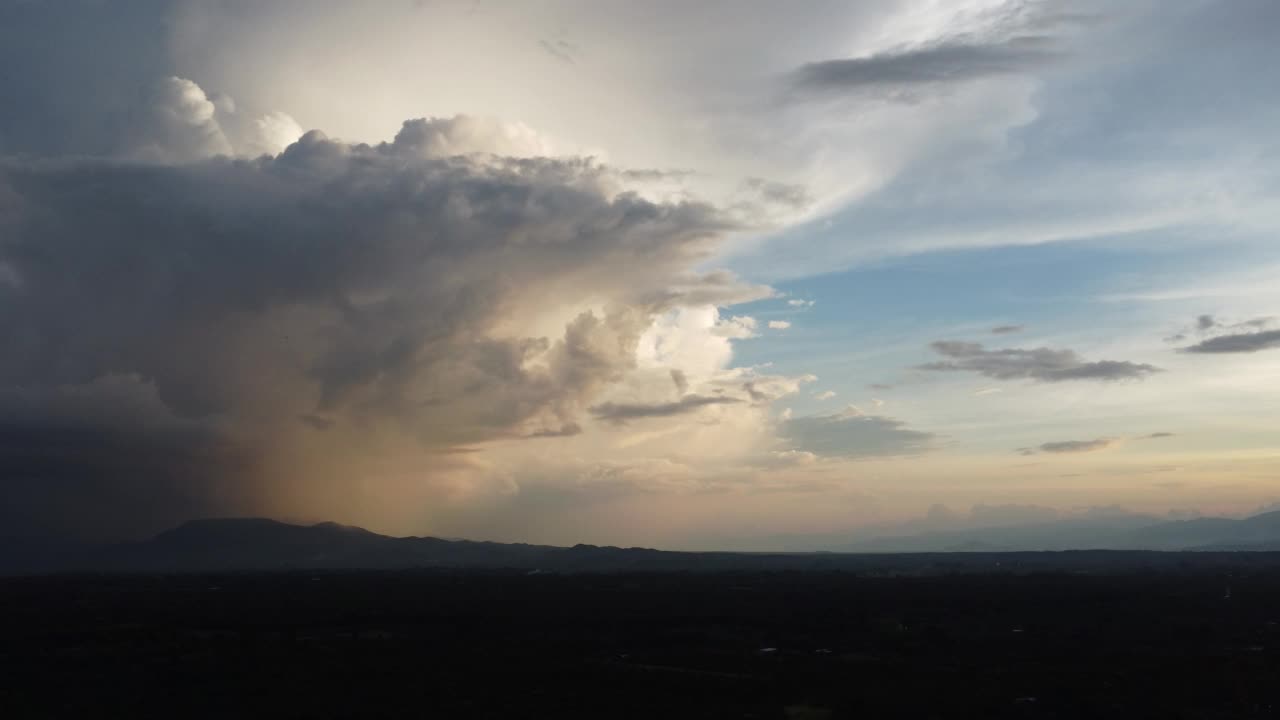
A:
[466,135]
[273,132]
[179,124]
[695,340]
[779,324]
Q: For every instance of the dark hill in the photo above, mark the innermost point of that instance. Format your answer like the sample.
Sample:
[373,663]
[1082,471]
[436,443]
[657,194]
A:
[258,544]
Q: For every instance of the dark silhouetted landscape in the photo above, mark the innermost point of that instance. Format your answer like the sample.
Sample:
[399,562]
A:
[334,621]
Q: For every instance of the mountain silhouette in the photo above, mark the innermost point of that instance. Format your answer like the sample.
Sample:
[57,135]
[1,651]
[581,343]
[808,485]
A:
[261,544]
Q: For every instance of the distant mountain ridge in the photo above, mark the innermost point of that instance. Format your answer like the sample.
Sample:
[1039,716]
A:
[1257,532]
[260,544]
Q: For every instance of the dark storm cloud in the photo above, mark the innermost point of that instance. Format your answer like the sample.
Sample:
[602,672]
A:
[1041,364]
[1237,343]
[944,63]
[852,435]
[58,59]
[347,287]
[622,412]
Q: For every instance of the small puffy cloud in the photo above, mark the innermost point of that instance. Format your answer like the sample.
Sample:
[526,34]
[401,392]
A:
[1006,329]
[738,327]
[1041,364]
[825,394]
[851,434]
[779,324]
[1066,447]
[1157,436]
[798,303]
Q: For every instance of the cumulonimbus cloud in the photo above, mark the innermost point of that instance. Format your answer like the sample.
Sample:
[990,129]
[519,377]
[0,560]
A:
[335,290]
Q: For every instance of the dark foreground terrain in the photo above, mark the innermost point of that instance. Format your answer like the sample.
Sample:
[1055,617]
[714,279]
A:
[1199,641]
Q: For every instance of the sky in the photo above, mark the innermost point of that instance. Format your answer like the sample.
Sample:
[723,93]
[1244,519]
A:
[682,275]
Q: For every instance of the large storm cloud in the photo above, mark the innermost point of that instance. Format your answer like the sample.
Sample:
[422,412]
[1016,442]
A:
[335,289]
